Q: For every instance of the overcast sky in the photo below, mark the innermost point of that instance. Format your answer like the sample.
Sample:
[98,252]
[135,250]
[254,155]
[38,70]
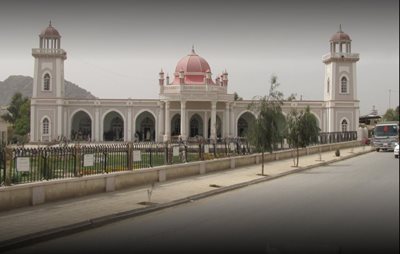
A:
[116,48]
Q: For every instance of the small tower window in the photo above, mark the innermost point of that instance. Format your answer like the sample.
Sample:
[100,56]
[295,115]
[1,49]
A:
[45,126]
[327,86]
[46,82]
[344,125]
[343,85]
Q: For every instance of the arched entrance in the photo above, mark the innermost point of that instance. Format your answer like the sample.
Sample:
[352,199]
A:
[218,127]
[243,124]
[145,127]
[196,126]
[176,125]
[113,127]
[81,127]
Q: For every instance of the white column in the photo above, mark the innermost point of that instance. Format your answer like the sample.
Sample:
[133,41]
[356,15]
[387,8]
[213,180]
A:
[354,83]
[36,83]
[205,125]
[167,135]
[331,120]
[66,124]
[226,120]
[97,128]
[161,121]
[129,119]
[59,120]
[33,126]
[356,120]
[58,79]
[213,120]
[233,124]
[183,120]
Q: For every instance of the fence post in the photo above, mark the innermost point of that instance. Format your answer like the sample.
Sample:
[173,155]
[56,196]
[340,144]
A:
[7,169]
[215,149]
[200,157]
[186,160]
[130,155]
[46,166]
[166,162]
[77,168]
[150,155]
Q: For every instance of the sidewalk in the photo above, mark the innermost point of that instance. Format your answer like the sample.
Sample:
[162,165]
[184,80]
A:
[25,224]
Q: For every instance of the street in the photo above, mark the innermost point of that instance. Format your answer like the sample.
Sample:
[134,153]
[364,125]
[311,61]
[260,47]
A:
[347,207]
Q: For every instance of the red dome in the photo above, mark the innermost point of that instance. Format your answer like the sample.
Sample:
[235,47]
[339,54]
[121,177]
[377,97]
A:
[192,63]
[194,68]
[50,32]
[340,36]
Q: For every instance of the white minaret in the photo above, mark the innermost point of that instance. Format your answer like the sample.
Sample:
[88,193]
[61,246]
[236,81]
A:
[340,84]
[48,83]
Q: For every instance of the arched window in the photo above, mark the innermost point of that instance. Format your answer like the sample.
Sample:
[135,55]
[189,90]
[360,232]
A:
[327,85]
[45,126]
[343,85]
[46,82]
[344,125]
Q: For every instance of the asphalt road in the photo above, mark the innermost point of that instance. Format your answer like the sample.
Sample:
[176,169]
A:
[348,207]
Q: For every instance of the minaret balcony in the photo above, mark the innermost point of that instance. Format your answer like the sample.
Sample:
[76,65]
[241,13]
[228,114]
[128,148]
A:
[43,52]
[353,57]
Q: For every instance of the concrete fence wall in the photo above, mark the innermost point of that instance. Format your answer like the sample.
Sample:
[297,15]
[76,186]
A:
[23,195]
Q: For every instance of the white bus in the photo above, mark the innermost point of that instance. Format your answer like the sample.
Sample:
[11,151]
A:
[386,136]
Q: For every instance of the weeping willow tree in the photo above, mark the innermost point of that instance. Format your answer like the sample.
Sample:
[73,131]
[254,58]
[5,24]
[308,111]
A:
[302,130]
[268,128]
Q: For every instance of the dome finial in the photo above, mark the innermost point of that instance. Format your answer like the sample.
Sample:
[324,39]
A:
[193,52]
[340,28]
[50,22]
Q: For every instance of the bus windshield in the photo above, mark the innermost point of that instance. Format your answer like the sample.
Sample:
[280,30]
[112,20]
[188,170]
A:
[386,130]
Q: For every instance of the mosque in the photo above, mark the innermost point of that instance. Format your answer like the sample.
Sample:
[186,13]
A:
[191,103]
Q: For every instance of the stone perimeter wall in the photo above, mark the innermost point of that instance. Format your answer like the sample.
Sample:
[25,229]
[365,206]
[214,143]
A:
[30,194]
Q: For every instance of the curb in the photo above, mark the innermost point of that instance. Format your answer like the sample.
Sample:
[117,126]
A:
[100,221]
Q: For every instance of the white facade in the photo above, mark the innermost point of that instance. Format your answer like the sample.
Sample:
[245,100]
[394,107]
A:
[189,104]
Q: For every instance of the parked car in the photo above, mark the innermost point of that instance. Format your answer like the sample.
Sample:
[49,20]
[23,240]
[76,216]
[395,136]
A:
[396,151]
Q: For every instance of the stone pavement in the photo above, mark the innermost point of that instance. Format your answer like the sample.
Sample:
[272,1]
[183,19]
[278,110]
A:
[32,223]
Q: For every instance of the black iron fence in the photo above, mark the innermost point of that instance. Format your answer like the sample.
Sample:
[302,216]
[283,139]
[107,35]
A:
[334,137]
[24,165]
[37,164]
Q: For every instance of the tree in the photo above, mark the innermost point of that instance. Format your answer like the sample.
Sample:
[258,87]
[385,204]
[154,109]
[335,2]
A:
[292,97]
[236,97]
[391,115]
[22,124]
[268,128]
[18,115]
[302,130]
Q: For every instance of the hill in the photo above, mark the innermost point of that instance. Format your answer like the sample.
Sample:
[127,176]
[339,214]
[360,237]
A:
[23,84]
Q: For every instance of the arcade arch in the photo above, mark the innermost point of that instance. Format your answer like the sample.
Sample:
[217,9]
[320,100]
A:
[145,127]
[244,122]
[196,126]
[81,126]
[113,127]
